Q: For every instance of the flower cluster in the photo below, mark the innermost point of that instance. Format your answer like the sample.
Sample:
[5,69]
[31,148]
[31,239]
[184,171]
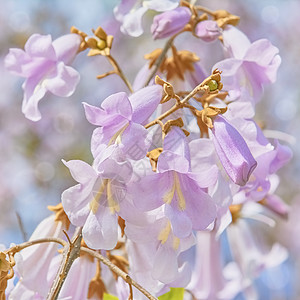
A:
[178,160]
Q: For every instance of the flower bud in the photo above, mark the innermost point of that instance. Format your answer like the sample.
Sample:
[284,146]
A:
[207,30]
[232,151]
[170,22]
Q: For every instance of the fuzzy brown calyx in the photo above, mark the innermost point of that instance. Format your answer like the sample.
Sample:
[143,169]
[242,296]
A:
[168,90]
[205,118]
[60,215]
[223,18]
[235,211]
[97,287]
[153,157]
[100,43]
[83,35]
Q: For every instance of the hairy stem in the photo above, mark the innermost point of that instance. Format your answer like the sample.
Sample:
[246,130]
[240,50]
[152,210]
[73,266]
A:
[119,72]
[118,271]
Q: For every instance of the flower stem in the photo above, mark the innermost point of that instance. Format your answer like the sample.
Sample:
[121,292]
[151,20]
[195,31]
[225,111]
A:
[119,72]
[177,106]
[22,246]
[160,59]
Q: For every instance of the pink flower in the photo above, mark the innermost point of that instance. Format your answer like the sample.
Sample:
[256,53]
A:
[44,65]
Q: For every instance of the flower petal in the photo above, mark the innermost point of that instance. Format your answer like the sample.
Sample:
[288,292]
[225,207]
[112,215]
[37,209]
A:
[165,266]
[134,141]
[40,46]
[142,191]
[33,93]
[132,22]
[63,82]
[232,151]
[66,47]
[101,229]
[144,102]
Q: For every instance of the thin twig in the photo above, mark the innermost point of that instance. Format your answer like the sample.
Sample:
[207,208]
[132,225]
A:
[70,253]
[21,226]
[119,72]
[160,59]
[178,105]
[22,246]
[118,271]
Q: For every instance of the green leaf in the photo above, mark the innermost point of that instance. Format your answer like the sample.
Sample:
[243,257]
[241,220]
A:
[174,294]
[109,297]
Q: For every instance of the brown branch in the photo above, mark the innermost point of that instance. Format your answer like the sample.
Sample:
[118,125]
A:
[118,271]
[70,253]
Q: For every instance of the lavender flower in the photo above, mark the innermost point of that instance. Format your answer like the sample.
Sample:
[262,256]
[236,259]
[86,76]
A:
[208,30]
[120,120]
[187,205]
[44,65]
[130,13]
[232,151]
[170,22]
[255,63]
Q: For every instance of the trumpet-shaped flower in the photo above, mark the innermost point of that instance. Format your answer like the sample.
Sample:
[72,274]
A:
[131,12]
[94,202]
[251,66]
[162,249]
[187,205]
[44,65]
[208,30]
[170,22]
[120,118]
[232,151]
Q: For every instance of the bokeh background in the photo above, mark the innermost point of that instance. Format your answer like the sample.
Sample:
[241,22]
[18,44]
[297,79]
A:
[32,175]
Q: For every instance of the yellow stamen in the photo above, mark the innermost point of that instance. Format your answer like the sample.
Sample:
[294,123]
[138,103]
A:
[181,200]
[169,195]
[94,204]
[112,203]
[176,243]
[164,234]
[118,135]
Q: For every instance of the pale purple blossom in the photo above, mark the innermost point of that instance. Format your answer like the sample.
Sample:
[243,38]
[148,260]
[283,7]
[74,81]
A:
[251,250]
[121,120]
[250,66]
[44,64]
[95,202]
[208,30]
[36,260]
[232,151]
[170,22]
[211,279]
[186,203]
[130,13]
